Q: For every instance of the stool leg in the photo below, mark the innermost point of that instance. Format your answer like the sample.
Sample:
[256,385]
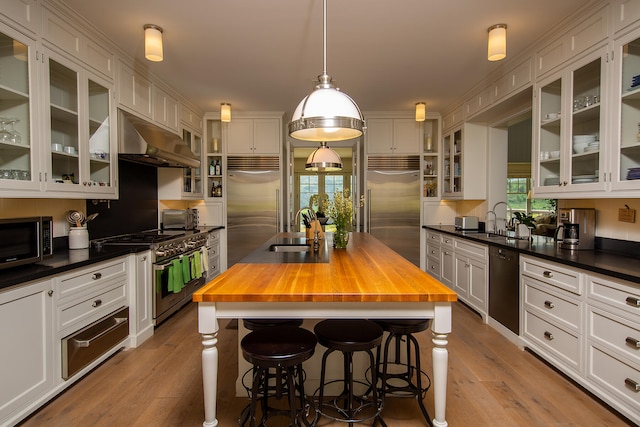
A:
[323,372]
[374,379]
[292,394]
[419,380]
[255,387]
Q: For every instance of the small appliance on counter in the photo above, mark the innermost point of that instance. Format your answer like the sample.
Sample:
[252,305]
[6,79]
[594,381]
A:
[578,227]
[466,223]
[179,219]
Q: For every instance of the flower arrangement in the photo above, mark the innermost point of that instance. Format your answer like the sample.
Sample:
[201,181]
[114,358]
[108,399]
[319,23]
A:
[340,210]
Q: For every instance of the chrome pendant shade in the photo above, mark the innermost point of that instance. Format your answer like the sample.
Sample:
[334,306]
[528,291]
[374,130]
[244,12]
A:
[323,159]
[326,114]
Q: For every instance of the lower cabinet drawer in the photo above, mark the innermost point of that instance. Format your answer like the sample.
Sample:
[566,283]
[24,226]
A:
[562,309]
[560,343]
[433,267]
[614,332]
[84,309]
[615,376]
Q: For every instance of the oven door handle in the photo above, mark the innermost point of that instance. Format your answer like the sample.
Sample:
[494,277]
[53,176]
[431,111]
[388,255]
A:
[160,267]
[87,342]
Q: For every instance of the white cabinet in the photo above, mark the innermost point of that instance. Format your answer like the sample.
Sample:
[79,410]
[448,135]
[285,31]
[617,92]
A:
[454,118]
[433,254]
[471,274]
[513,80]
[26,315]
[464,163]
[431,159]
[166,109]
[447,261]
[140,298]
[134,91]
[393,136]
[570,136]
[254,135]
[552,311]
[81,156]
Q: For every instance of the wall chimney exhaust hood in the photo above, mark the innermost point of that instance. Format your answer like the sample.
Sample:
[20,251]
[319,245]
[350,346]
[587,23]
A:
[143,142]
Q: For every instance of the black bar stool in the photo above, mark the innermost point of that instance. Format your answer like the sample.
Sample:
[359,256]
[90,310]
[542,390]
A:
[349,336]
[404,383]
[283,348]
[255,324]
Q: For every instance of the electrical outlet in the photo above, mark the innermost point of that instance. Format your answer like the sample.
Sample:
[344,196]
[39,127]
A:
[627,215]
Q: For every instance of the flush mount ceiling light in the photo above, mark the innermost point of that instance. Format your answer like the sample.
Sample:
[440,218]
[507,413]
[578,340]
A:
[323,159]
[497,46]
[421,112]
[326,114]
[225,112]
[153,43]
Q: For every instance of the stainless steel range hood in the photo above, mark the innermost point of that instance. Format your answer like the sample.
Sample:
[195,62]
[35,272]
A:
[143,142]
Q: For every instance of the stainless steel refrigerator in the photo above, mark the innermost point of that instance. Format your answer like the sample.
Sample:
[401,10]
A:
[393,203]
[253,204]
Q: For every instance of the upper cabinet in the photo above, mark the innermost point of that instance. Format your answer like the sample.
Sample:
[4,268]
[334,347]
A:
[62,143]
[464,162]
[570,136]
[183,183]
[254,135]
[431,158]
[625,151]
[393,136]
[166,109]
[134,91]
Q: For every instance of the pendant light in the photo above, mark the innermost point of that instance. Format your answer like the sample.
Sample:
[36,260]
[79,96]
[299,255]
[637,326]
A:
[323,159]
[153,43]
[497,45]
[326,114]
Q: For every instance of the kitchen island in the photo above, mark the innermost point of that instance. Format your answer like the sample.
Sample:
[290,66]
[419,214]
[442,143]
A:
[365,280]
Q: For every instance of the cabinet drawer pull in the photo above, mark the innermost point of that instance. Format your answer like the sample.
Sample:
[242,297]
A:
[433,252]
[446,240]
[633,301]
[96,276]
[446,253]
[634,385]
[433,267]
[97,303]
[548,335]
[547,274]
[549,304]
[633,342]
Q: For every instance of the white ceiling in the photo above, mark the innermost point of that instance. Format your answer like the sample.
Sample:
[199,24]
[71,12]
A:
[265,55]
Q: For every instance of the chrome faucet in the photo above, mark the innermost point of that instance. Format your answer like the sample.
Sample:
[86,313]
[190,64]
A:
[496,230]
[495,218]
[297,217]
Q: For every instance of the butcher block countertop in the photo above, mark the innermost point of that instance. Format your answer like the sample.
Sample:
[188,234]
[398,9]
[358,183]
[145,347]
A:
[366,271]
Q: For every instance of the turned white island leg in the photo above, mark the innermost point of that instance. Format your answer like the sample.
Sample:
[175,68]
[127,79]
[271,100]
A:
[208,328]
[440,329]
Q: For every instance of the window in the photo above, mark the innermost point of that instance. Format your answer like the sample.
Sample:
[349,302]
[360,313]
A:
[518,198]
[318,184]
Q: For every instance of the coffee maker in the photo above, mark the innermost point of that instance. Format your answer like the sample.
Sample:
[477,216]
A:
[578,227]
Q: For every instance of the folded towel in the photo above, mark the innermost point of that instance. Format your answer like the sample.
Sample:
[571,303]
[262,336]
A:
[192,265]
[186,270]
[205,259]
[197,264]
[176,276]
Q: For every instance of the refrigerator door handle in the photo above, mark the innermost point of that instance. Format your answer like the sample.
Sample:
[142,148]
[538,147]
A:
[277,211]
[368,211]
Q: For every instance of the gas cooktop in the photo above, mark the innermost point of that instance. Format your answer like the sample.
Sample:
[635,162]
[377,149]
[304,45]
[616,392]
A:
[144,237]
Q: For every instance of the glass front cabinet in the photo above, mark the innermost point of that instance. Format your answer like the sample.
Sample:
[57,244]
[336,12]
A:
[625,157]
[571,128]
[430,159]
[452,164]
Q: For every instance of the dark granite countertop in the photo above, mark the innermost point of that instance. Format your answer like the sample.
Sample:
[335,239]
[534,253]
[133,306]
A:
[603,262]
[68,259]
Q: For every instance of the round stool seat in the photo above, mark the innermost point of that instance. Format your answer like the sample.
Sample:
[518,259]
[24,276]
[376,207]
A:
[255,324]
[404,326]
[278,346]
[348,334]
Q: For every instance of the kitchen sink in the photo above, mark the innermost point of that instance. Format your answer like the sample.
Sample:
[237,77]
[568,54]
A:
[289,248]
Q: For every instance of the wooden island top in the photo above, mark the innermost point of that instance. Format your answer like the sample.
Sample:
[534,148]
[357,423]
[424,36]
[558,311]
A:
[365,280]
[366,271]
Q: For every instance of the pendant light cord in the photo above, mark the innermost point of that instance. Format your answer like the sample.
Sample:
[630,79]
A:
[324,35]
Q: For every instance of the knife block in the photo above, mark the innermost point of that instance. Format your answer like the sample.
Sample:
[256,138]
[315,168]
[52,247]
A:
[311,231]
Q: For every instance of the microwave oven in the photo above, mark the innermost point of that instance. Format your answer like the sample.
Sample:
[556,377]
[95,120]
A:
[25,240]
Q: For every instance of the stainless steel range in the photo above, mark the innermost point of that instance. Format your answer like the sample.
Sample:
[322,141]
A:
[178,266]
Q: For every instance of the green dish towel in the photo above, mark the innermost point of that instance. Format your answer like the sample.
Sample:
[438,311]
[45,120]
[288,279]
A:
[176,282]
[186,270]
[197,263]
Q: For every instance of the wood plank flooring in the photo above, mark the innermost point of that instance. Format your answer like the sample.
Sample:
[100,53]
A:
[491,383]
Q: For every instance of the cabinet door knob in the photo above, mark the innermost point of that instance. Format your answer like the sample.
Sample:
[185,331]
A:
[548,335]
[633,342]
[96,276]
[548,304]
[547,274]
[50,293]
[97,303]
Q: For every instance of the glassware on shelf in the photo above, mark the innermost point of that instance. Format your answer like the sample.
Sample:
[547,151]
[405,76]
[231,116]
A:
[15,135]
[5,135]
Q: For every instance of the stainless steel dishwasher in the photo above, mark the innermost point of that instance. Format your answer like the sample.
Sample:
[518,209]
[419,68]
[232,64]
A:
[504,287]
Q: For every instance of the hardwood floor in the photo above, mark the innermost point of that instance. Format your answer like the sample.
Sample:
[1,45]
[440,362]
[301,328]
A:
[491,383]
